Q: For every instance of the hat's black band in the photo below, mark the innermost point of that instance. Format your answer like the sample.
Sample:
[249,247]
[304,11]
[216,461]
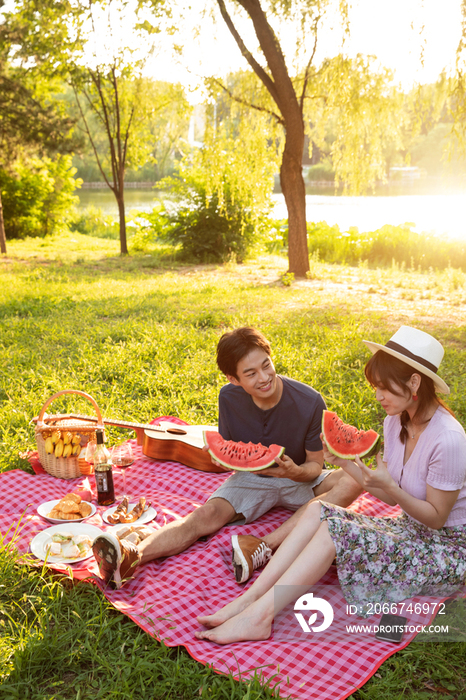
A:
[411,355]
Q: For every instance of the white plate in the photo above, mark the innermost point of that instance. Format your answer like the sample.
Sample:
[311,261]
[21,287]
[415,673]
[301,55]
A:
[40,541]
[45,508]
[146,517]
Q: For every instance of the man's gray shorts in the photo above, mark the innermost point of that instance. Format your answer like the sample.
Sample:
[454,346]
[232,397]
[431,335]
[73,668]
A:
[254,495]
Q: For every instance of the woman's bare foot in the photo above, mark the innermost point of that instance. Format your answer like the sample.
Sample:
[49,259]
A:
[247,626]
[234,607]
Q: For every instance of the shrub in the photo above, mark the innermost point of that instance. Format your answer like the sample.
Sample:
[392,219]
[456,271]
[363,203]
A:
[276,240]
[208,229]
[147,229]
[222,194]
[321,171]
[38,197]
[91,221]
[384,246]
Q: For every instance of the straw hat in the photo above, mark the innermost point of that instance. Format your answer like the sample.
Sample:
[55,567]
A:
[417,349]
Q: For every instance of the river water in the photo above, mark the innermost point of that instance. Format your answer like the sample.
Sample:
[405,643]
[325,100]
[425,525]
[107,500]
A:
[436,207]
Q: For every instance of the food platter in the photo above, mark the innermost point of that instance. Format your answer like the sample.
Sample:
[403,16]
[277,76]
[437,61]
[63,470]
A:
[45,508]
[146,517]
[42,539]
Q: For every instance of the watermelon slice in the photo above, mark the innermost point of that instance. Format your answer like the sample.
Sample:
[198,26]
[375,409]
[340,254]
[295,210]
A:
[346,441]
[241,456]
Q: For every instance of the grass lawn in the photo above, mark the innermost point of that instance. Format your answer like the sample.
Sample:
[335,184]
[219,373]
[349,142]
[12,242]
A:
[139,334]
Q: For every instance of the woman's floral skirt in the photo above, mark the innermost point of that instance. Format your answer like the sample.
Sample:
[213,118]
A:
[390,559]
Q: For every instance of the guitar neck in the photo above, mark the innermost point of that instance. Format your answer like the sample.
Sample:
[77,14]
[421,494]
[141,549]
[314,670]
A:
[118,423]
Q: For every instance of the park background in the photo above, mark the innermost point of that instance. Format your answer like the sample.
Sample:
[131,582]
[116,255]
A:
[128,304]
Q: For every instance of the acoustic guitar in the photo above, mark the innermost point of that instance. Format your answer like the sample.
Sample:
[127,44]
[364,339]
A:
[180,443]
[167,441]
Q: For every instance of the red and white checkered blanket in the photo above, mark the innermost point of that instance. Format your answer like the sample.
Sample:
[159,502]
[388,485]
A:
[167,595]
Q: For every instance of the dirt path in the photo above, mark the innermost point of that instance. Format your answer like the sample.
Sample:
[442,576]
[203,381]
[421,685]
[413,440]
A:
[407,297]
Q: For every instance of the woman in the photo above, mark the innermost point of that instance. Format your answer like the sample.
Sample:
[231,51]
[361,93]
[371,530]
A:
[423,471]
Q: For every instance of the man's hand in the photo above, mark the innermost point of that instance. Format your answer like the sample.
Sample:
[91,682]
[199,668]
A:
[301,473]
[285,469]
[217,464]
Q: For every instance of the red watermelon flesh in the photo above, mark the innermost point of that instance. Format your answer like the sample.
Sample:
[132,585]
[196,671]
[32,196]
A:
[241,456]
[346,441]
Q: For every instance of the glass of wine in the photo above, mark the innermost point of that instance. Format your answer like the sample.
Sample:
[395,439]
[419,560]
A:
[122,458]
[90,449]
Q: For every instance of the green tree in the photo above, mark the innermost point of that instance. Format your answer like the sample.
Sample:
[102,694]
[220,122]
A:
[288,92]
[363,110]
[289,105]
[38,196]
[100,47]
[110,95]
[456,91]
[223,189]
[113,92]
[30,120]
[168,113]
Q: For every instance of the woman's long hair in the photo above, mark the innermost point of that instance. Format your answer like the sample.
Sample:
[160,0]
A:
[384,371]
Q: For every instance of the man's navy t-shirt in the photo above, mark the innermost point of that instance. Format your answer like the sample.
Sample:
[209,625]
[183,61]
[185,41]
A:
[294,423]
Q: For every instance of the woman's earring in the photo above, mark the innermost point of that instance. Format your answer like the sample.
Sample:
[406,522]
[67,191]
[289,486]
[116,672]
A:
[415,397]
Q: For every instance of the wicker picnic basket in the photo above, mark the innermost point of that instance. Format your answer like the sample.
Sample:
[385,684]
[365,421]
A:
[73,466]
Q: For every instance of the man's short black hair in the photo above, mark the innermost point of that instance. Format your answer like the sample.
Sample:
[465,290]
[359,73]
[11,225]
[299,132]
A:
[235,345]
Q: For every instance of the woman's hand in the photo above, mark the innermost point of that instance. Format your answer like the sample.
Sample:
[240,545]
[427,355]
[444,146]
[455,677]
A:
[378,478]
[375,481]
[432,512]
[348,466]
[330,458]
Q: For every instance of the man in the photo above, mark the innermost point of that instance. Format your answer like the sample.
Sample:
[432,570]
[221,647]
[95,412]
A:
[256,406]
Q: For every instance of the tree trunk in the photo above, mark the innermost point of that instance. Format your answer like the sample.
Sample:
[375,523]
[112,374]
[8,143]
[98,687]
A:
[120,198]
[2,229]
[281,89]
[294,192]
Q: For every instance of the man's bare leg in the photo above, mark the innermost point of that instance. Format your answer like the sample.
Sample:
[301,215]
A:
[180,534]
[337,488]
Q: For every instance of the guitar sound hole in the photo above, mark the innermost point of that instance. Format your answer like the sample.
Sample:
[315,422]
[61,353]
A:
[176,431]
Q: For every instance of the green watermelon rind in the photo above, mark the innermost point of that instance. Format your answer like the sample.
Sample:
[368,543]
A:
[375,450]
[277,453]
[370,451]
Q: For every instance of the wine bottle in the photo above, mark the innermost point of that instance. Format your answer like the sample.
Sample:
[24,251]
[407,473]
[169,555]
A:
[103,472]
